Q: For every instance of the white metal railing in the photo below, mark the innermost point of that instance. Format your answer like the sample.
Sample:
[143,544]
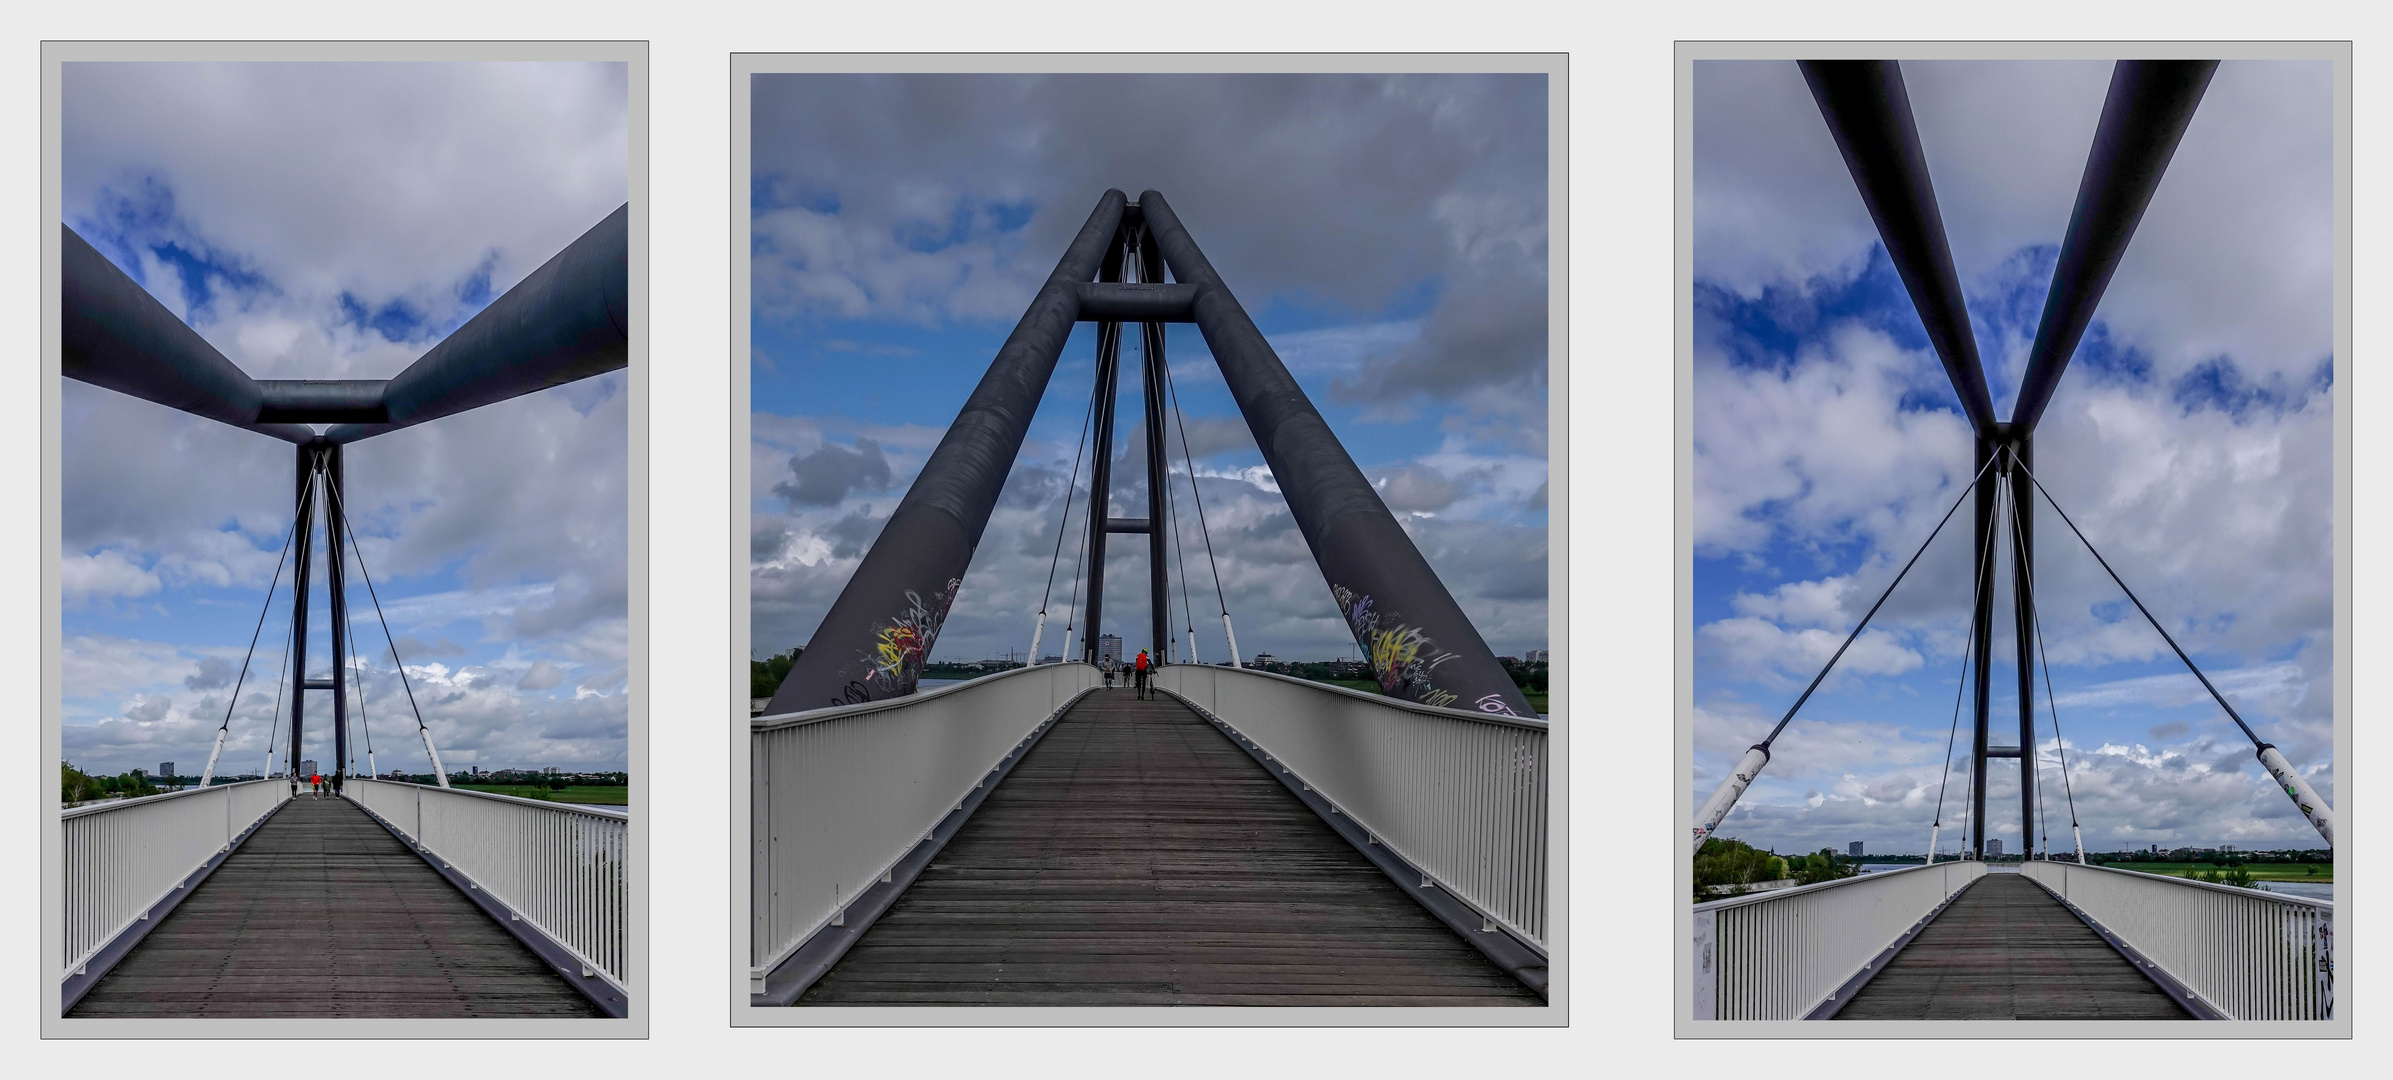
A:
[1778,955]
[122,858]
[1459,794]
[559,866]
[2249,955]
[840,795]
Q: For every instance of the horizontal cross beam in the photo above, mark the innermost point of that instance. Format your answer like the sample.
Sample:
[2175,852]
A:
[1127,525]
[1105,301]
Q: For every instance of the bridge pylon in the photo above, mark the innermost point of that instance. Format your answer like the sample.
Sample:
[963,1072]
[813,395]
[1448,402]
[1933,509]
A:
[877,635]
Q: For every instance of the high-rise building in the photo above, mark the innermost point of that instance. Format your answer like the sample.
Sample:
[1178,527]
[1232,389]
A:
[1109,647]
[166,770]
[1854,848]
[307,767]
[1994,849]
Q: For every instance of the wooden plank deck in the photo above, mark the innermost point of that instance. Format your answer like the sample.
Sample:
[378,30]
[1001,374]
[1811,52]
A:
[324,914]
[2006,950]
[1136,857]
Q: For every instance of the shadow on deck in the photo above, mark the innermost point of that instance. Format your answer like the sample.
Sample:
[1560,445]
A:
[324,914]
[2006,950]
[1136,857]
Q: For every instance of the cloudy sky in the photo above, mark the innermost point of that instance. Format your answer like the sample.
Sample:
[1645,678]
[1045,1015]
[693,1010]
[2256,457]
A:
[335,221]
[1387,233]
[2191,438]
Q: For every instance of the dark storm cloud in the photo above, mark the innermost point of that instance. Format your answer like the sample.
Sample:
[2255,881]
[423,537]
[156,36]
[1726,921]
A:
[827,475]
[931,197]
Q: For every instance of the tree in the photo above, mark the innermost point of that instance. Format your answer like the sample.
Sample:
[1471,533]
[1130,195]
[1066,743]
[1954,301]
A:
[1734,864]
[1821,865]
[764,676]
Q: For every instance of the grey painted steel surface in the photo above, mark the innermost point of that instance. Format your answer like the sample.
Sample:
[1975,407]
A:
[113,333]
[123,859]
[322,401]
[1460,794]
[570,319]
[302,549]
[1868,110]
[1150,301]
[567,320]
[335,577]
[1982,645]
[1780,955]
[2143,118]
[2246,954]
[1419,642]
[1109,372]
[558,866]
[873,641]
[2023,626]
[840,796]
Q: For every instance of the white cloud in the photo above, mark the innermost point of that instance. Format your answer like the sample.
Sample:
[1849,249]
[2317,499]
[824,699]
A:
[104,576]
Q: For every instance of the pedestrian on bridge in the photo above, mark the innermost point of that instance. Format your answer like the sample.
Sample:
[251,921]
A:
[1142,674]
[1107,665]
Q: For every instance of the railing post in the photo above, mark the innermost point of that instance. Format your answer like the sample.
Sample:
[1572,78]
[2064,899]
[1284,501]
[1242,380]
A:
[1707,974]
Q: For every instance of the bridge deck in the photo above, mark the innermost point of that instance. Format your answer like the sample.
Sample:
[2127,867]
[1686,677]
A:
[2006,950]
[324,914]
[1136,857]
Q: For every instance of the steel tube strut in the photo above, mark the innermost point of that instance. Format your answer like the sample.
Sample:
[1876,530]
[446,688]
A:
[570,319]
[1981,622]
[872,643]
[338,595]
[2144,117]
[1419,642]
[114,334]
[1869,113]
[1109,368]
[1159,586]
[305,546]
[2023,614]
[1109,365]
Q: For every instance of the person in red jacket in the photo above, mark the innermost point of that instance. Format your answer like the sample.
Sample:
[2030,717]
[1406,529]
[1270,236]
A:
[1142,674]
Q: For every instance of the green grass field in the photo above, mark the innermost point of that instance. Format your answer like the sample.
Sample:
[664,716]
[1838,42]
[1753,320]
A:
[593,795]
[2260,871]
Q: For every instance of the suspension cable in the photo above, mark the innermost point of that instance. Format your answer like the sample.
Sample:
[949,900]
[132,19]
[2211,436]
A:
[1968,654]
[2147,612]
[1172,388]
[1071,488]
[1873,611]
[208,774]
[274,723]
[357,678]
[2036,623]
[1171,502]
[343,514]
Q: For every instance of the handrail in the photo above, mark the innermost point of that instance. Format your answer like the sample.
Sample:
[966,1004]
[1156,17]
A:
[1786,954]
[72,812]
[2243,953]
[1460,795]
[562,867]
[122,859]
[839,796]
[783,721]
